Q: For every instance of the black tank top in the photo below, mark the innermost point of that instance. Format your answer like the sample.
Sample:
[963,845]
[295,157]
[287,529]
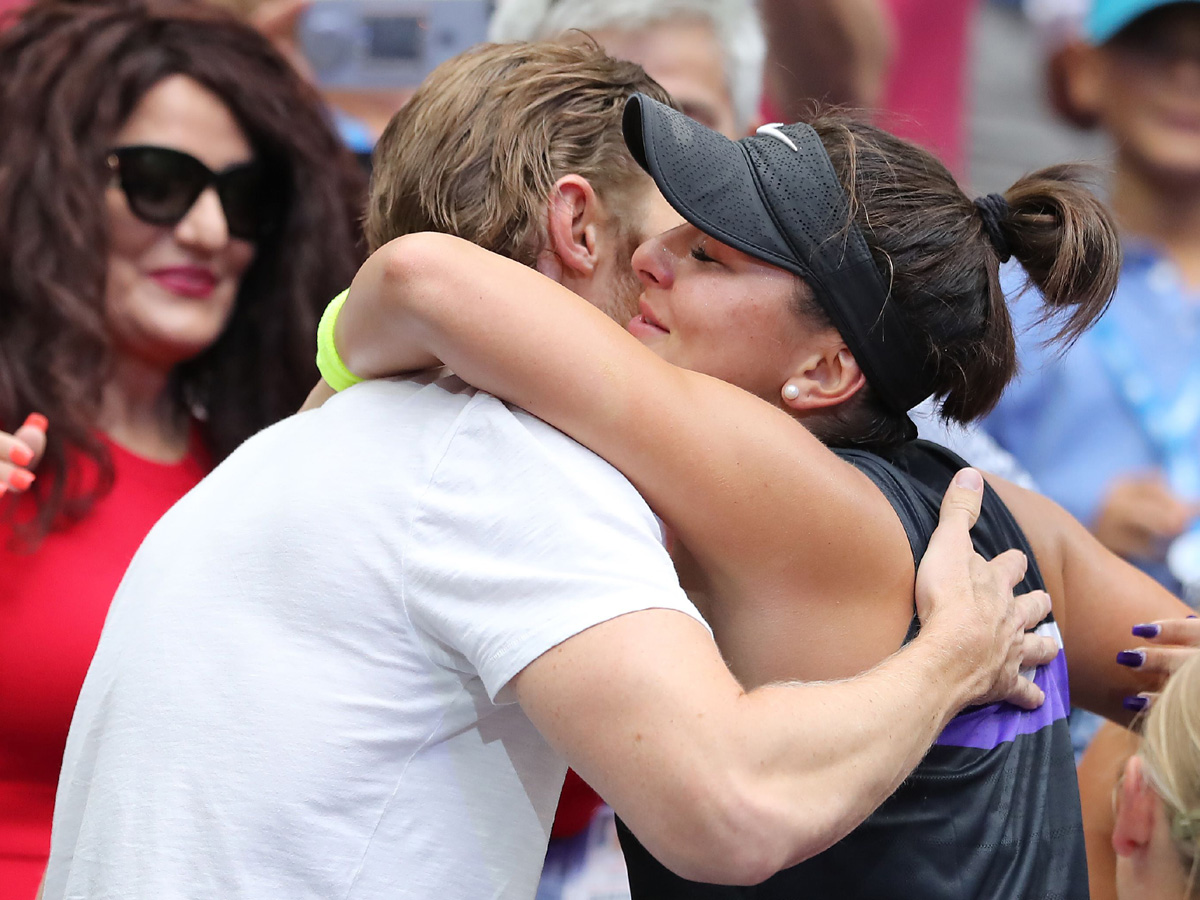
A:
[992,811]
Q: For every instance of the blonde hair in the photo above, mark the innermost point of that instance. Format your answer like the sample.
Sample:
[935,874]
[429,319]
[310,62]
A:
[1171,753]
[477,150]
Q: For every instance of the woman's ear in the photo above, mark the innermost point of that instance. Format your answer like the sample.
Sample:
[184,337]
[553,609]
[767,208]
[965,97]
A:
[1136,805]
[573,226]
[828,376]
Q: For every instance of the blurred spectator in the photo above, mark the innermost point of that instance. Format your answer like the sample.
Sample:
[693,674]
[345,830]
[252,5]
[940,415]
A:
[1018,120]
[1099,773]
[708,54]
[966,82]
[360,116]
[1141,800]
[906,60]
[924,97]
[835,51]
[1111,429]
[1059,24]
[1157,833]
[161,275]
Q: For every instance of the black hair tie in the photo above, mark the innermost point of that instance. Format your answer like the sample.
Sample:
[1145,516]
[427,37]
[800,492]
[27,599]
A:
[994,209]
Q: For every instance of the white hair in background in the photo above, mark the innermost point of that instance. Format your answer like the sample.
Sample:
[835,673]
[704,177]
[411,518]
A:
[735,23]
[1057,21]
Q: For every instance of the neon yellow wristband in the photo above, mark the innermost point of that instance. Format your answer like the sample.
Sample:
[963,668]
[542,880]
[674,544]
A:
[333,370]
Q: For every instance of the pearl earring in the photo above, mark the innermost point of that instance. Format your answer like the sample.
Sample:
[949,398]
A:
[791,391]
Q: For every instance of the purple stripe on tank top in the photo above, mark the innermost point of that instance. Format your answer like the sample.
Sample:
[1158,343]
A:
[997,723]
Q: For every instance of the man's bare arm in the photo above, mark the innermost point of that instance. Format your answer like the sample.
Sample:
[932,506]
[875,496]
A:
[729,786]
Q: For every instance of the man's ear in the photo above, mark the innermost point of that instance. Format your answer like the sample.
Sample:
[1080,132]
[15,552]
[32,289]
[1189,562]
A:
[1136,805]
[549,265]
[828,376]
[573,226]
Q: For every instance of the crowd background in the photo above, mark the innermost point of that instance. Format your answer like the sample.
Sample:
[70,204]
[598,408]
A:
[1110,429]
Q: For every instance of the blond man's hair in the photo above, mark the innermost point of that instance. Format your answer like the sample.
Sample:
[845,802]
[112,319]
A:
[1171,753]
[479,147]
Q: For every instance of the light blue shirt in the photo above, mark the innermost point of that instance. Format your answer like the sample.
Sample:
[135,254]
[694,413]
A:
[1065,418]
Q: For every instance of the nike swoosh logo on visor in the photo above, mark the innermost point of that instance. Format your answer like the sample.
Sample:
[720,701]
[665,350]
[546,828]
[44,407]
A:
[772,130]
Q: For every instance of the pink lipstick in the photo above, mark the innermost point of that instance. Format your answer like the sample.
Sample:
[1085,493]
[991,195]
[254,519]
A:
[194,282]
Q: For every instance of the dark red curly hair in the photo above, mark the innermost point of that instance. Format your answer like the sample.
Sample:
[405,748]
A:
[71,72]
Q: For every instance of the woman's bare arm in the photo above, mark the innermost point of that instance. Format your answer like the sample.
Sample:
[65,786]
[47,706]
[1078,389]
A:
[317,396]
[745,486]
[1098,598]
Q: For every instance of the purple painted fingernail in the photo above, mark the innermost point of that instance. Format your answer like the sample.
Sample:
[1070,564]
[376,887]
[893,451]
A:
[1146,631]
[1131,658]
[1134,704]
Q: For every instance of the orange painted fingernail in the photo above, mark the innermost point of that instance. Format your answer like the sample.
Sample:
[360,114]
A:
[36,420]
[20,454]
[21,480]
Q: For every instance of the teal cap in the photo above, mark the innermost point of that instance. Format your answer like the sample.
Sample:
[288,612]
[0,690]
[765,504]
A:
[1107,17]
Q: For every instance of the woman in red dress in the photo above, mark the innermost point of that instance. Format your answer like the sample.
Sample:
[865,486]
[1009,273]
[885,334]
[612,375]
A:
[174,211]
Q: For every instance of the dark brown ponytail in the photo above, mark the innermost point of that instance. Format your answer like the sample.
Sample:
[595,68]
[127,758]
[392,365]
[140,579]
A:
[1064,238]
[941,256]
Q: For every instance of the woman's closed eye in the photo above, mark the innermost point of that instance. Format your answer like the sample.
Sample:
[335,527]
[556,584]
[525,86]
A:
[700,254]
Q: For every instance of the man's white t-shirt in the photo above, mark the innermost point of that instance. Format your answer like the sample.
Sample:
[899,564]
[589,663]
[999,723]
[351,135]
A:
[301,690]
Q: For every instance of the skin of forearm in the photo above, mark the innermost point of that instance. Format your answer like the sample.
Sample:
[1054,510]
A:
[819,758]
[1115,596]
[381,329]
[317,396]
[426,299]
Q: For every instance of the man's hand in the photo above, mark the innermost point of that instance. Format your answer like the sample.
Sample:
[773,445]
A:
[967,603]
[725,785]
[1139,517]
